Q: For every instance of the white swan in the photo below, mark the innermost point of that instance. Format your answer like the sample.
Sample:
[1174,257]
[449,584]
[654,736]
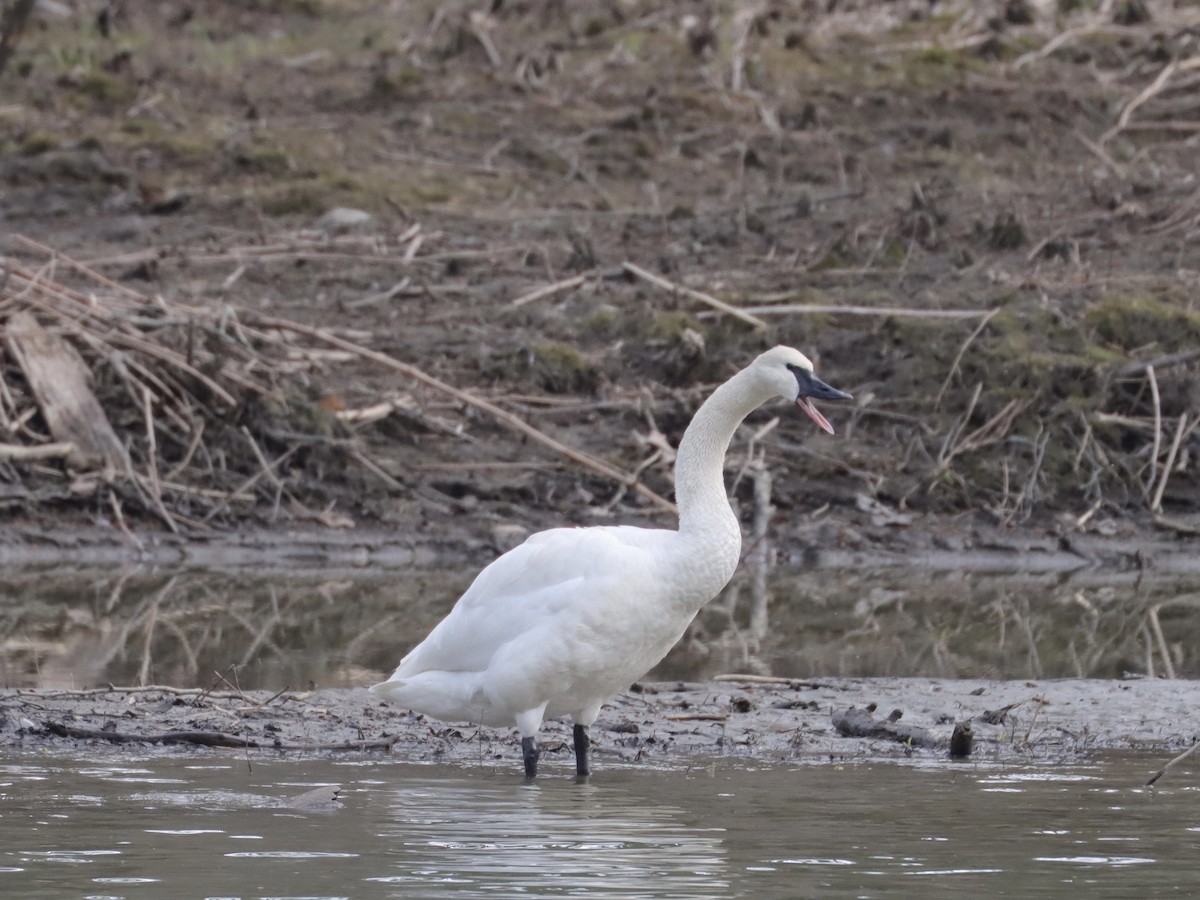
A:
[561,623]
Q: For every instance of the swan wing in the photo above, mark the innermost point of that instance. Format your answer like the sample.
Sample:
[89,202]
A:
[540,587]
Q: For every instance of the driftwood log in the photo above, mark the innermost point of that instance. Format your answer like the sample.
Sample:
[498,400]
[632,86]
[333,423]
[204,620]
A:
[207,739]
[60,381]
[855,722]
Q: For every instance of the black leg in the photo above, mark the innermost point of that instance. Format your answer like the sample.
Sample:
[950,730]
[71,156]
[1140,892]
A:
[529,749]
[583,744]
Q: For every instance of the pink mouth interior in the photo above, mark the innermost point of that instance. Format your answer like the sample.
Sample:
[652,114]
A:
[813,413]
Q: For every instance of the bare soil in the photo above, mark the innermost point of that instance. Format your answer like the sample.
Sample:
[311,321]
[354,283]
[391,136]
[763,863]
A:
[857,176]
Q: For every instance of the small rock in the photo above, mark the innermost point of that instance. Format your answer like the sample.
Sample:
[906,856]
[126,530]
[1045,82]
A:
[344,220]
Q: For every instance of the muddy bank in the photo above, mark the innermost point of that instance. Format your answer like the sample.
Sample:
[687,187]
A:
[671,724]
[331,264]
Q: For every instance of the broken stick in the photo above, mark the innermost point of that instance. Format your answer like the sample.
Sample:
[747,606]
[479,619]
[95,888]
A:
[59,380]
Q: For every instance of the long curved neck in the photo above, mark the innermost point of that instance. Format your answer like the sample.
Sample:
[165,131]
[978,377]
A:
[700,460]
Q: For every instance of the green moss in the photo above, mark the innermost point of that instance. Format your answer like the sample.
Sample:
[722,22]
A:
[934,56]
[183,149]
[561,369]
[670,325]
[1007,233]
[555,367]
[936,66]
[37,143]
[262,158]
[602,322]
[140,127]
[309,417]
[1136,322]
[296,198]
[343,181]
[895,253]
[106,90]
[392,85]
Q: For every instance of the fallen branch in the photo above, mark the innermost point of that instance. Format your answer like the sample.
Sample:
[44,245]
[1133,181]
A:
[697,717]
[1176,525]
[1180,758]
[1154,451]
[754,679]
[793,683]
[1061,40]
[1180,430]
[1100,153]
[855,722]
[720,305]
[1160,362]
[207,739]
[58,378]
[21,453]
[164,689]
[1147,93]
[548,290]
[791,309]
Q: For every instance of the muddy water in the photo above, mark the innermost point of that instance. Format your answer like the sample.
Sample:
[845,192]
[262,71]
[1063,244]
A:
[345,628]
[210,826]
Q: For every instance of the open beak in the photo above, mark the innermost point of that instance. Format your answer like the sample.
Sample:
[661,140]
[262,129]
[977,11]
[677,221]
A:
[813,413]
[812,386]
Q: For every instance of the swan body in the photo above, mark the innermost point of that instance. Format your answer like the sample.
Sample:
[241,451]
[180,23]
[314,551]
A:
[572,616]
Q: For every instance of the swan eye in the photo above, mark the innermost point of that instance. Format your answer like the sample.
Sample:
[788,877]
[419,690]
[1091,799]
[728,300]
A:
[809,385]
[803,377]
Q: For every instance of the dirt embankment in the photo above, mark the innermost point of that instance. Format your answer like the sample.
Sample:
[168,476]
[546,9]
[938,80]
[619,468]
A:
[979,218]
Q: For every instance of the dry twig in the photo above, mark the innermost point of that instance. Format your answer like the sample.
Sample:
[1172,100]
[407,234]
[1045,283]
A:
[937,401]
[548,290]
[719,305]
[796,309]
[1176,761]
[1147,93]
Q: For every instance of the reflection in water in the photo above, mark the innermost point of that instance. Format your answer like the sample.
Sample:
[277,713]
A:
[546,840]
[220,630]
[411,831]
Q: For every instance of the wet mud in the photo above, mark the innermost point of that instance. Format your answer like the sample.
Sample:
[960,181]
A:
[666,724]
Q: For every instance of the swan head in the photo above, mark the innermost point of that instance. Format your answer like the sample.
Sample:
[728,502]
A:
[790,373]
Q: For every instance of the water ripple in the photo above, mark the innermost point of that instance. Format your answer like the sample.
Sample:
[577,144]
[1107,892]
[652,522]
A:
[516,841]
[1096,860]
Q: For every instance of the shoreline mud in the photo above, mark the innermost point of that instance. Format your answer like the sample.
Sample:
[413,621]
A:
[668,724]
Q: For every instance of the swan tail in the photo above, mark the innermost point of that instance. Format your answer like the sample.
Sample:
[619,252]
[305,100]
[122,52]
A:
[448,696]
